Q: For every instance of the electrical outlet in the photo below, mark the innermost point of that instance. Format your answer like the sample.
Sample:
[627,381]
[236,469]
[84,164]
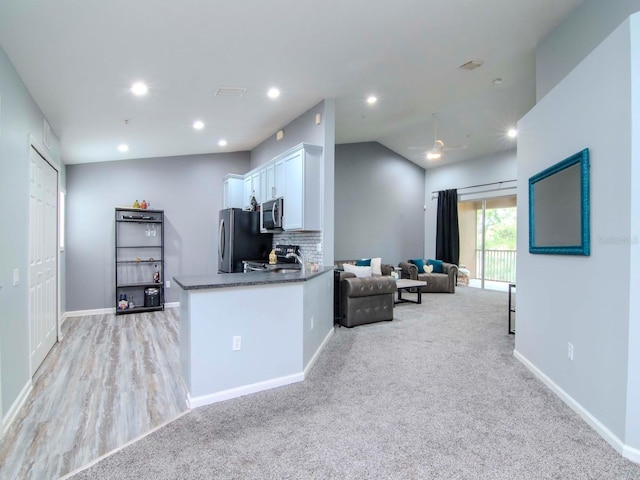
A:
[237,343]
[167,283]
[570,351]
[312,323]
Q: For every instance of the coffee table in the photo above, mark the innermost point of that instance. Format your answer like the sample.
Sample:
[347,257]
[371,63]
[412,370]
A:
[406,284]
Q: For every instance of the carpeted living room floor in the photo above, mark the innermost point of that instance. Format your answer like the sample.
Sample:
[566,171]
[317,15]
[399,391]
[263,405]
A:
[435,394]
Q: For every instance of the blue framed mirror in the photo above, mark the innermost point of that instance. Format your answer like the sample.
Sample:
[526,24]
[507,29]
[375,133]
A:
[559,208]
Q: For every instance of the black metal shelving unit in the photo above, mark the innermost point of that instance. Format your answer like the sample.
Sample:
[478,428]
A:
[139,254]
[512,309]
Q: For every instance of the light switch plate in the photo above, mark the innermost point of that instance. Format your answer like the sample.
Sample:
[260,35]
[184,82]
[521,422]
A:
[16,277]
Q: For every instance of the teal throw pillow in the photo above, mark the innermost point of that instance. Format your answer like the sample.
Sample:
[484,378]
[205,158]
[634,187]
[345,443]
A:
[418,262]
[437,265]
[365,262]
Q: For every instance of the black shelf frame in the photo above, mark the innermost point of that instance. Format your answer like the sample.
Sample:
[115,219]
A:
[139,287]
[512,309]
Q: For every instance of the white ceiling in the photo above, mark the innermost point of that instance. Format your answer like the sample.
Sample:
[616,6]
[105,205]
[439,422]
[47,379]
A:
[79,58]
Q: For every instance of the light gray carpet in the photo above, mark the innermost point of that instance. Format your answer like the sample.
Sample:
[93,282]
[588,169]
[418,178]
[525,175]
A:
[435,394]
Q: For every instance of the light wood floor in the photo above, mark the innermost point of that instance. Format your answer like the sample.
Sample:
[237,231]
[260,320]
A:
[111,379]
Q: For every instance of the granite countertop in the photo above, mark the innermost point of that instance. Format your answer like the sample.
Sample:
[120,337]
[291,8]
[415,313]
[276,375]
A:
[228,280]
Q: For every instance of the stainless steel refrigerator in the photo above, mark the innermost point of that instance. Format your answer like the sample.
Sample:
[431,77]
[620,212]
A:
[239,239]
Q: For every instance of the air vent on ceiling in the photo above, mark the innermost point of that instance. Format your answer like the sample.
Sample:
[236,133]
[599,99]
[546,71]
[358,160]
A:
[230,92]
[471,65]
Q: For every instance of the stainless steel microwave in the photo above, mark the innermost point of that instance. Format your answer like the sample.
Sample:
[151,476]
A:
[271,213]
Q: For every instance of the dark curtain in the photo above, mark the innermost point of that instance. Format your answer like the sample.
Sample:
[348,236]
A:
[447,233]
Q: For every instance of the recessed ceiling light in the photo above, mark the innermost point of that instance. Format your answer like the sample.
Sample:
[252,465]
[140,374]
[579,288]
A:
[497,81]
[198,125]
[513,133]
[139,88]
[222,143]
[371,99]
[123,148]
[273,93]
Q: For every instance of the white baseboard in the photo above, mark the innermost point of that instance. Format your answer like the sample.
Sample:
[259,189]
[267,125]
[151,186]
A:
[97,311]
[317,354]
[103,311]
[16,406]
[200,401]
[626,451]
[631,453]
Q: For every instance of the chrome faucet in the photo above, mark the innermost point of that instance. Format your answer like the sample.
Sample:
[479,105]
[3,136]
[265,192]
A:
[299,259]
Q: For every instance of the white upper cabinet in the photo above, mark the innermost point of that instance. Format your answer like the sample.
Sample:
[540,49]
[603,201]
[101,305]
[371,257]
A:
[274,185]
[278,166]
[295,175]
[251,188]
[270,186]
[302,180]
[233,190]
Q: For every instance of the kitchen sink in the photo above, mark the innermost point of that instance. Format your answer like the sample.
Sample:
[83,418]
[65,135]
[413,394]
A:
[285,270]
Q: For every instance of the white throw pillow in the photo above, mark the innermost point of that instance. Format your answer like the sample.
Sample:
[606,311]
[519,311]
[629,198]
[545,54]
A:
[375,266]
[427,268]
[360,272]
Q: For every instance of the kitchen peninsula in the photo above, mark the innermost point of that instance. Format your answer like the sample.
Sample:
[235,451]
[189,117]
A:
[241,333]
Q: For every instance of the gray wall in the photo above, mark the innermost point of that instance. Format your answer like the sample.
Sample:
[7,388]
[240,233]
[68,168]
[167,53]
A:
[302,129]
[587,301]
[20,118]
[305,130]
[187,188]
[494,168]
[588,25]
[379,199]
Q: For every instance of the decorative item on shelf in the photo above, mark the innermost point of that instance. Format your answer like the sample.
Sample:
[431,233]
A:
[143,205]
[122,302]
[138,259]
[254,203]
[273,257]
[136,204]
[131,302]
[156,275]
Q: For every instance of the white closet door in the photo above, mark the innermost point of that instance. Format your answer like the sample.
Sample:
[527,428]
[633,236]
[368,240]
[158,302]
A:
[43,258]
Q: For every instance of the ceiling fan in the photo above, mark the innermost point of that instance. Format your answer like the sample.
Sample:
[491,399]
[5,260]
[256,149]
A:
[439,147]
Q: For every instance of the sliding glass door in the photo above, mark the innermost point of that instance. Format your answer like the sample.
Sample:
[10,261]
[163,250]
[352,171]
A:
[488,241]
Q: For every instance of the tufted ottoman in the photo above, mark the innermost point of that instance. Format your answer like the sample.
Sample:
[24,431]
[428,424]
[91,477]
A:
[366,300]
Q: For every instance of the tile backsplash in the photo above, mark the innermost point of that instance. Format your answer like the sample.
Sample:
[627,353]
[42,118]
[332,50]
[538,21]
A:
[308,242]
